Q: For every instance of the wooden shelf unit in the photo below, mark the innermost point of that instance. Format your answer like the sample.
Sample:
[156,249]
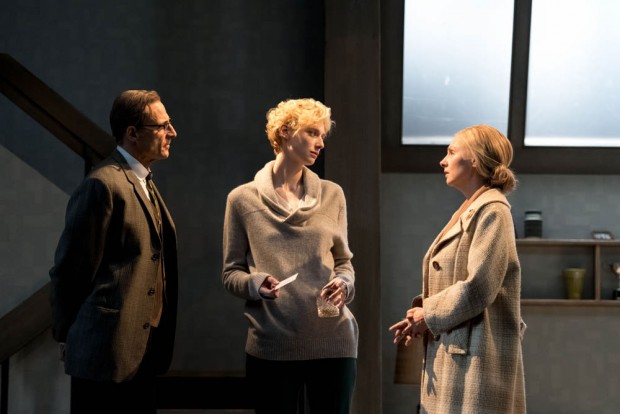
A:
[597,247]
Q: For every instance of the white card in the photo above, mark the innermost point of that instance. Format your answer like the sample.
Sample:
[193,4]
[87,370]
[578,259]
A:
[287,281]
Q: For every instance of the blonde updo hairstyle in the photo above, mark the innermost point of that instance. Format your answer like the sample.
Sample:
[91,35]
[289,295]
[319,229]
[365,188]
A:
[295,114]
[492,154]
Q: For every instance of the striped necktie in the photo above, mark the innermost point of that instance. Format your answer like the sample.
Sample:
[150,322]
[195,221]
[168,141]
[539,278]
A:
[151,190]
[160,287]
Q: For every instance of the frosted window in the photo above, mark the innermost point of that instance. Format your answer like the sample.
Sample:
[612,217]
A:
[573,96]
[456,67]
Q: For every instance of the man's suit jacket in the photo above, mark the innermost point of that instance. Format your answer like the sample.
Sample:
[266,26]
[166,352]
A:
[104,275]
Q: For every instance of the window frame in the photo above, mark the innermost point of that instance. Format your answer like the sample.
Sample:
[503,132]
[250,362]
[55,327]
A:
[399,158]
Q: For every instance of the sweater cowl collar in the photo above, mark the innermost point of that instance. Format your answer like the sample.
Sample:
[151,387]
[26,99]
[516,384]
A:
[312,186]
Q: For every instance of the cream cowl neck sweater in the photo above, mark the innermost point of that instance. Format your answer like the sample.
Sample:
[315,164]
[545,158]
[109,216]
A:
[261,238]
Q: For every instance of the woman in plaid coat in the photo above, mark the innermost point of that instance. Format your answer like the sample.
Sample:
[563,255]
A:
[469,314]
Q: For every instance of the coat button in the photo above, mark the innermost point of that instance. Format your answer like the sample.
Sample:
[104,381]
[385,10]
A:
[436,266]
[155,257]
[151,292]
[146,325]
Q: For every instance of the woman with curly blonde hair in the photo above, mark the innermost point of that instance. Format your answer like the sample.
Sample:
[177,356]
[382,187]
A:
[288,221]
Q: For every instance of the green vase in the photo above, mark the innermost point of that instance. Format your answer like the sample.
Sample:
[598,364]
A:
[573,280]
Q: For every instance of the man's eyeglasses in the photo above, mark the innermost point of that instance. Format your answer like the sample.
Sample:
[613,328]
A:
[166,126]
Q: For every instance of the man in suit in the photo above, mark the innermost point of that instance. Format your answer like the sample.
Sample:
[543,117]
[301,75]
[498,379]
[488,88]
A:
[115,270]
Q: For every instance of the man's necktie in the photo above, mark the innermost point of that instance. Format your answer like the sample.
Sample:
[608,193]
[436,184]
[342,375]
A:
[151,190]
[160,288]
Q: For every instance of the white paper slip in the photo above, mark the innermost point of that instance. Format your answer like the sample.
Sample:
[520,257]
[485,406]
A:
[287,281]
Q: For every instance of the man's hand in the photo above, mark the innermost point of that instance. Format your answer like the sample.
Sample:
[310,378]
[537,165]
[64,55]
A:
[61,349]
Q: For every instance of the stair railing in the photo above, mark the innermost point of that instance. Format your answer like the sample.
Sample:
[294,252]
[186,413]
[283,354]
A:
[32,317]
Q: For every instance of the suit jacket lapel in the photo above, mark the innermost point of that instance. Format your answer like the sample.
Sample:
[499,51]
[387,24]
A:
[147,206]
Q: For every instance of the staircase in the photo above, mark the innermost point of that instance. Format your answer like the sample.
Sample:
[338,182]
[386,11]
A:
[23,324]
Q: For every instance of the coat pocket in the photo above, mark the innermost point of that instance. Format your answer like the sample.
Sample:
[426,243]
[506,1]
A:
[91,343]
[457,340]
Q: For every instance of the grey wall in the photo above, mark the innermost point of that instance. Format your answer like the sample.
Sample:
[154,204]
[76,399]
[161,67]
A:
[31,214]
[219,65]
[570,353]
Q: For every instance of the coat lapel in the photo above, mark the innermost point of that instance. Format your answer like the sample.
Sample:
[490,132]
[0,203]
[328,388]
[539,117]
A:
[465,219]
[452,232]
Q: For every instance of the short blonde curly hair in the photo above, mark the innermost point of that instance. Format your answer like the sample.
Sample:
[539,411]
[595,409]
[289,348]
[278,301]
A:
[295,114]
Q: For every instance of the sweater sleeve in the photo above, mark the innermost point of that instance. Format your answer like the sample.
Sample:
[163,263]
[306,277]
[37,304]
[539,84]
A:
[236,276]
[343,268]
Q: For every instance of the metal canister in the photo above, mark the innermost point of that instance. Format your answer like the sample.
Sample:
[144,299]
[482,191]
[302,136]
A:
[533,224]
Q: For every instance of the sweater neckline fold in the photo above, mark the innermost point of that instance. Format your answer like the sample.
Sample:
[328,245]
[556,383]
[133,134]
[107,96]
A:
[263,180]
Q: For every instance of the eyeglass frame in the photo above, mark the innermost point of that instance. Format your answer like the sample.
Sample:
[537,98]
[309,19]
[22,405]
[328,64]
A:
[158,127]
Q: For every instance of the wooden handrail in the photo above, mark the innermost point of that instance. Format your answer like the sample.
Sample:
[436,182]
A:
[25,322]
[32,317]
[53,112]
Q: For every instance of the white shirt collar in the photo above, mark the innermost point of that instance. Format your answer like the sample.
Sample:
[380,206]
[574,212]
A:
[139,170]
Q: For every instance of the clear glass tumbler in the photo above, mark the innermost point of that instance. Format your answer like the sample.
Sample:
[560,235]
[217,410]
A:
[325,308]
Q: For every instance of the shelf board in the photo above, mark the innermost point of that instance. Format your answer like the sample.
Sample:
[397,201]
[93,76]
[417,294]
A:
[568,302]
[566,242]
[566,246]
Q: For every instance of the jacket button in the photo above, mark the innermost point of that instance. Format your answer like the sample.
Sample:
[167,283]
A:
[436,266]
[155,257]
[151,292]
[146,325]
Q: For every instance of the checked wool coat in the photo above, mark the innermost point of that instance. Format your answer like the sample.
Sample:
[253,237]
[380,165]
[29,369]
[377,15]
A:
[471,298]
